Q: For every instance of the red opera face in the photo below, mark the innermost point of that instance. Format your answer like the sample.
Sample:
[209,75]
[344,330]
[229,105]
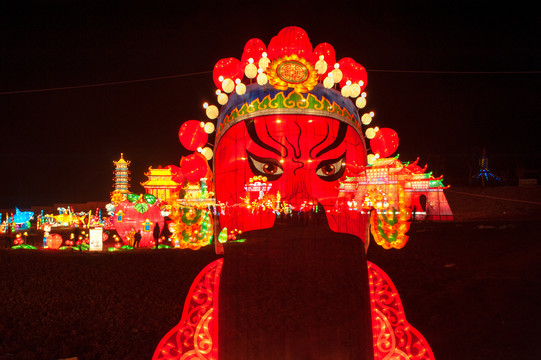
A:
[303,158]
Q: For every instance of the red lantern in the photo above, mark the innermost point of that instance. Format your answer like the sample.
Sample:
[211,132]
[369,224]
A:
[192,135]
[254,49]
[177,174]
[228,68]
[352,71]
[290,40]
[54,241]
[329,55]
[385,142]
[194,167]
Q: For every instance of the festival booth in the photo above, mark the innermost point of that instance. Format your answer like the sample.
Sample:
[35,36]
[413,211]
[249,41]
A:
[293,178]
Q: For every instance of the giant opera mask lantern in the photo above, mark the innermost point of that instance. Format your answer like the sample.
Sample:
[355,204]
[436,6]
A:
[303,145]
[290,146]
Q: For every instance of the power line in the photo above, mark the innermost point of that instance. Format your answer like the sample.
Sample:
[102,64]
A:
[103,84]
[210,71]
[457,72]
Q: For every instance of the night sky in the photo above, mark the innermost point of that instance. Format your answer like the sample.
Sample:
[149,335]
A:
[450,78]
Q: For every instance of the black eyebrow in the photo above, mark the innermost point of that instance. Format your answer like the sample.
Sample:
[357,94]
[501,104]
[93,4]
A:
[250,126]
[342,128]
[276,141]
[319,143]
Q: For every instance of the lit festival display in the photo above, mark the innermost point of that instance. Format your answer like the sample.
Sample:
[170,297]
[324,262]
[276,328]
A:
[293,181]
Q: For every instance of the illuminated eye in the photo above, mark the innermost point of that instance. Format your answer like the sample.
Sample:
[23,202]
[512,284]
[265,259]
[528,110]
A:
[327,170]
[332,169]
[268,167]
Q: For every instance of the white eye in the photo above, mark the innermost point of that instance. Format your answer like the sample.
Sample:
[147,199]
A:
[268,167]
[333,169]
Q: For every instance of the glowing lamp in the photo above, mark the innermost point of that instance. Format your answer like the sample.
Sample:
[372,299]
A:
[325,52]
[370,133]
[370,159]
[361,103]
[354,90]
[366,119]
[345,91]
[212,112]
[194,167]
[228,85]
[321,65]
[192,135]
[328,82]
[209,128]
[337,75]
[264,62]
[250,71]
[385,142]
[262,79]
[207,153]
[54,241]
[222,99]
[240,89]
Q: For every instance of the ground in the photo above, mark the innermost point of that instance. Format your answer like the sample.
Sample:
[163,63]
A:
[467,285]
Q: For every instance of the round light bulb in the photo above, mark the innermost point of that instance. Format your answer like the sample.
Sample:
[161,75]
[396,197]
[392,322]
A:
[209,128]
[361,103]
[222,99]
[212,112]
[366,119]
[228,85]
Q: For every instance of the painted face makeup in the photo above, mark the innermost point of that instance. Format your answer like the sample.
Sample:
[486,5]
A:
[286,164]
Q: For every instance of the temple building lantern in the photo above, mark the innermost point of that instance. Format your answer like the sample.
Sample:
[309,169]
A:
[160,183]
[121,180]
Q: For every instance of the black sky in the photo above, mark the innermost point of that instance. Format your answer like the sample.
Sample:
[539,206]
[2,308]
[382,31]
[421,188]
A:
[58,146]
